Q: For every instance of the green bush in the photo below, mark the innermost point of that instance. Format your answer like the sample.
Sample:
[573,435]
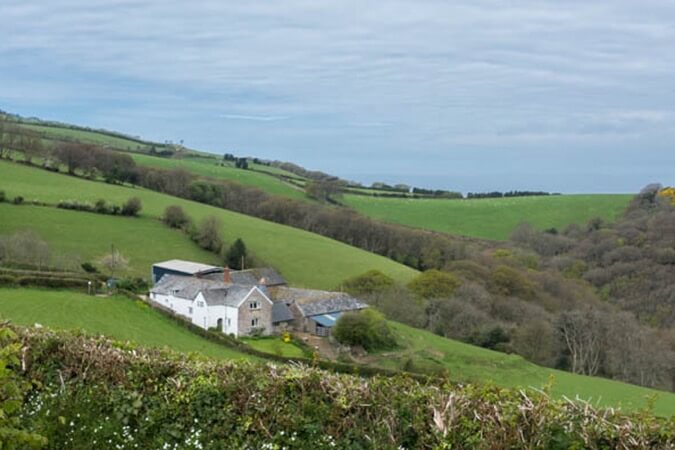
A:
[368,283]
[434,284]
[52,282]
[89,267]
[132,207]
[120,396]
[18,200]
[366,328]
[3,196]
[7,280]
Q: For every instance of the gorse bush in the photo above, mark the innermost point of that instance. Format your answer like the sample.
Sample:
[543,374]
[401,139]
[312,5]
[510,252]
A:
[93,392]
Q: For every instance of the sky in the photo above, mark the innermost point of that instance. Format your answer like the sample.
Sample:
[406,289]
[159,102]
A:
[563,96]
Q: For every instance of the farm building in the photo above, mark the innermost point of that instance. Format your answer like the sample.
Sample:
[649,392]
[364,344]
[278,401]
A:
[180,267]
[245,302]
[232,308]
[316,311]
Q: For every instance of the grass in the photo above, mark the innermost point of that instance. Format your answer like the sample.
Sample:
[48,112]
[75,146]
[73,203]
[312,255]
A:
[491,218]
[75,237]
[209,168]
[469,363]
[115,317]
[275,346]
[89,137]
[304,259]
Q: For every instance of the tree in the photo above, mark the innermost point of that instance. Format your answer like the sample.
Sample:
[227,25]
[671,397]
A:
[236,255]
[132,207]
[75,156]
[368,283]
[366,328]
[208,236]
[434,284]
[175,217]
[323,190]
[114,261]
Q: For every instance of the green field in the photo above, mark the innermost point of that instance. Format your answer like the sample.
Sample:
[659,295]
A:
[123,319]
[305,259]
[209,168]
[75,237]
[115,317]
[275,346]
[491,218]
[468,363]
[88,137]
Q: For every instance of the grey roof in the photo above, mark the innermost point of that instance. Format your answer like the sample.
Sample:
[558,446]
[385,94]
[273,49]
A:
[281,313]
[215,292]
[187,267]
[312,302]
[251,277]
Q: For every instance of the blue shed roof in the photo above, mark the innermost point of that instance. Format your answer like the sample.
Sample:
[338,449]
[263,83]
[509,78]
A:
[327,320]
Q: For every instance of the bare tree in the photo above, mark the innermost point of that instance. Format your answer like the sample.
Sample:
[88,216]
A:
[114,261]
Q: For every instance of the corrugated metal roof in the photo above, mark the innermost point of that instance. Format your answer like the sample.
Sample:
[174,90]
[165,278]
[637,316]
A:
[188,267]
[326,320]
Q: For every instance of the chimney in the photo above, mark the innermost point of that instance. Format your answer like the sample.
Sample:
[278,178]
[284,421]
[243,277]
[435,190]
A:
[226,275]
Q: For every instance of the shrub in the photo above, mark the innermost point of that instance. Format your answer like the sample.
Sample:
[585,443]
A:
[18,200]
[236,255]
[368,283]
[366,328]
[132,207]
[89,267]
[101,207]
[207,235]
[3,196]
[434,284]
[175,217]
[136,285]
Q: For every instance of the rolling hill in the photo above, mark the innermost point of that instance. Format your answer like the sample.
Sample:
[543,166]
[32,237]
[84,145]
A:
[123,319]
[491,218]
[304,258]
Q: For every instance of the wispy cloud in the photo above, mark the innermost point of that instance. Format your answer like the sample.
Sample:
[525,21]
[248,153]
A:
[396,83]
[253,118]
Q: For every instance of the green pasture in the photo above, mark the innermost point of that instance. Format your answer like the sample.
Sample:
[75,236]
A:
[491,218]
[209,168]
[115,317]
[275,346]
[88,137]
[75,237]
[468,363]
[304,258]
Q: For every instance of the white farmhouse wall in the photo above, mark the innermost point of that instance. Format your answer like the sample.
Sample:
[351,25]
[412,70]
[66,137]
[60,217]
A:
[230,322]
[200,314]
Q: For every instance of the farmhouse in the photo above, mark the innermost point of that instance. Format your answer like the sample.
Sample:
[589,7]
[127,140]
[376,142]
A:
[245,302]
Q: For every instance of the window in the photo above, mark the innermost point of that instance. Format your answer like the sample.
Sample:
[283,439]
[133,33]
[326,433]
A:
[190,309]
[200,303]
[253,305]
[229,322]
[254,322]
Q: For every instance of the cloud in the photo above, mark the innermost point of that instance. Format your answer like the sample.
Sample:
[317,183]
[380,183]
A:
[391,79]
[253,118]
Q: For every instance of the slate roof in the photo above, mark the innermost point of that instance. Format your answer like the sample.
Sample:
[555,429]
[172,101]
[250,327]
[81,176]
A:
[281,313]
[215,292]
[312,302]
[251,277]
[187,267]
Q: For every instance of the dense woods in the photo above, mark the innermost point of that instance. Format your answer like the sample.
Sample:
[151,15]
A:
[595,300]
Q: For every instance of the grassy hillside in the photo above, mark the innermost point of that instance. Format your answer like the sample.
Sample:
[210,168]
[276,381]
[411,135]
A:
[116,317]
[425,350]
[123,319]
[491,218]
[85,237]
[209,168]
[305,259]
[89,137]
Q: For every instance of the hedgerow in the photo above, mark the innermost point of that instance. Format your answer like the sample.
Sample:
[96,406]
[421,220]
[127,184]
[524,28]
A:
[96,393]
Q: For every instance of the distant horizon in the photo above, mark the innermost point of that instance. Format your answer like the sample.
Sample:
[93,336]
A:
[480,95]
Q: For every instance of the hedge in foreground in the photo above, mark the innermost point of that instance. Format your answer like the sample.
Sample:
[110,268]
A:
[96,393]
